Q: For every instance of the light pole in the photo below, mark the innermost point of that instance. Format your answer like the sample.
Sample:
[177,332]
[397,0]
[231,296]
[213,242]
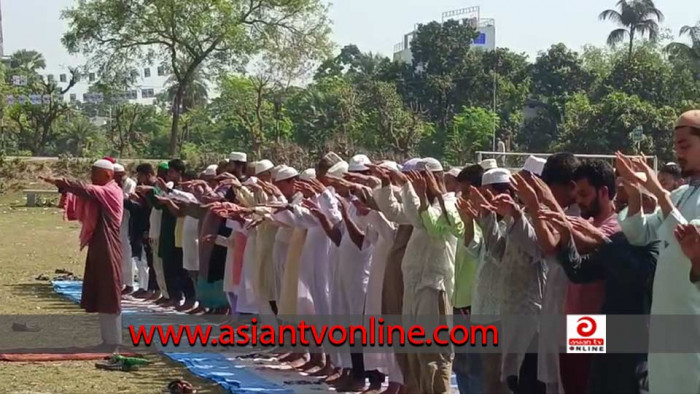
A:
[494,112]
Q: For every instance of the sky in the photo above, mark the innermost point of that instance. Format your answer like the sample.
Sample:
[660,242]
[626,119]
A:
[376,25]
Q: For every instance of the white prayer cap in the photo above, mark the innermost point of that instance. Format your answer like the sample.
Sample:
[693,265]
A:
[238,156]
[430,164]
[339,169]
[454,171]
[118,167]
[488,164]
[251,181]
[284,173]
[211,170]
[308,174]
[103,164]
[534,165]
[359,163]
[670,163]
[410,164]
[262,166]
[495,175]
[392,165]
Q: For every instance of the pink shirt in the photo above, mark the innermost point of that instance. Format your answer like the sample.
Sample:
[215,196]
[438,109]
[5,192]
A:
[586,299]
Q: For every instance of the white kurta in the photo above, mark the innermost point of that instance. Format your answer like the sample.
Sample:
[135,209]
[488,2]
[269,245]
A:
[190,244]
[429,263]
[553,336]
[673,292]
[229,284]
[353,267]
[247,301]
[384,362]
[129,187]
[315,268]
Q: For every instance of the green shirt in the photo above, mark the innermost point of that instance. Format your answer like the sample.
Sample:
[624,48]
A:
[465,264]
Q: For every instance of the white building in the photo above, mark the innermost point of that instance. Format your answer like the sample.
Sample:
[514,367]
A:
[471,16]
[149,82]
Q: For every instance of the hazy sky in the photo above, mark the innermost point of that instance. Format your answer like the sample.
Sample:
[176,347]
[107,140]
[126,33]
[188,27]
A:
[376,25]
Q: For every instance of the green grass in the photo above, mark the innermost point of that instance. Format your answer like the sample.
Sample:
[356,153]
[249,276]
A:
[36,241]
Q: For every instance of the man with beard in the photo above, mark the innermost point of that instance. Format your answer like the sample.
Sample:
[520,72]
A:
[595,192]
[675,289]
[671,177]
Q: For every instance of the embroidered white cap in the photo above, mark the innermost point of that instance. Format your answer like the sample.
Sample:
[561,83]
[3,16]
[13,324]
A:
[118,167]
[211,170]
[488,164]
[534,165]
[284,173]
[104,165]
[392,165]
[495,175]
[454,171]
[430,164]
[308,174]
[238,156]
[339,169]
[410,164]
[250,181]
[262,166]
[359,163]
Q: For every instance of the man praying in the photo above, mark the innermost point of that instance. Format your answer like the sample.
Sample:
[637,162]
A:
[99,206]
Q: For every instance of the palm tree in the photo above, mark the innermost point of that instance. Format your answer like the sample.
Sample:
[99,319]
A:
[690,52]
[197,93]
[637,17]
[78,134]
[29,61]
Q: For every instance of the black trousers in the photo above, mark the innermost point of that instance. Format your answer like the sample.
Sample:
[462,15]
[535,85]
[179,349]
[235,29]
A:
[152,282]
[176,278]
[358,370]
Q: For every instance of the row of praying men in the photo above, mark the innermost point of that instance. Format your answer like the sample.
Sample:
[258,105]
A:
[557,236]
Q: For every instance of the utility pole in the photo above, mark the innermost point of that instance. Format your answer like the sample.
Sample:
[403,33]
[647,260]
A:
[2,42]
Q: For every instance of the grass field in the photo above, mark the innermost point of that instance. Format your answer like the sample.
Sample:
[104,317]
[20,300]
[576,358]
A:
[36,241]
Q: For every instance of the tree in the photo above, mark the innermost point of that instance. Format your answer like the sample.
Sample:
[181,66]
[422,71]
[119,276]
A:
[188,35]
[390,126]
[356,65]
[197,93]
[27,61]
[35,122]
[78,135]
[559,72]
[327,115]
[440,58]
[689,53]
[636,17]
[472,130]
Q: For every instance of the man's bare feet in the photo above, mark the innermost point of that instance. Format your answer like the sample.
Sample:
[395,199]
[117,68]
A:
[315,361]
[141,294]
[187,306]
[327,370]
[350,385]
[334,379]
[155,296]
[394,388]
[198,311]
[127,290]
[170,304]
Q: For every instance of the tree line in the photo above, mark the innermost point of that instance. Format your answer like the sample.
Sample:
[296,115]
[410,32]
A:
[449,102]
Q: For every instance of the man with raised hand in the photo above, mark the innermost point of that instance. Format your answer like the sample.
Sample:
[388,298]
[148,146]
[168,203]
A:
[675,287]
[99,209]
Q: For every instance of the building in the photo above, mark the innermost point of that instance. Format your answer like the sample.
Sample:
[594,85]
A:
[149,82]
[471,16]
